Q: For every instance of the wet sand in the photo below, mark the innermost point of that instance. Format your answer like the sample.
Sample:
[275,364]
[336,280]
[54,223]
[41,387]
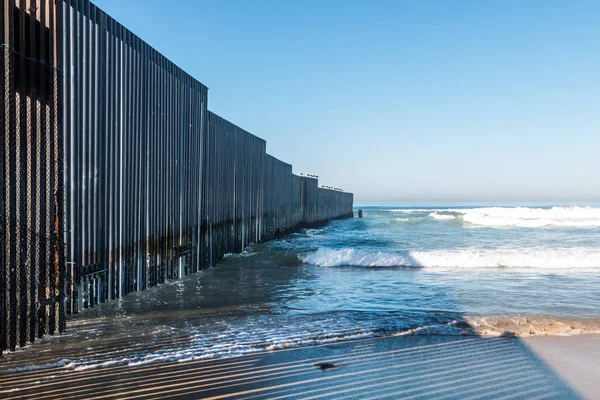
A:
[409,367]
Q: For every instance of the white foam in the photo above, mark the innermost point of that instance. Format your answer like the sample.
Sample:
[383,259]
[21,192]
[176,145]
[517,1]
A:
[333,258]
[547,258]
[61,363]
[452,328]
[244,253]
[523,217]
[410,210]
[435,215]
[533,217]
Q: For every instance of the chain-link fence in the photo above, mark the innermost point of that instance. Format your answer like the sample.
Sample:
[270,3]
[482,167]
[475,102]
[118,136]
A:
[31,250]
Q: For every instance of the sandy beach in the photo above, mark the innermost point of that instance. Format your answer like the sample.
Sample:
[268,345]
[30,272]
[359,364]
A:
[409,367]
[576,359]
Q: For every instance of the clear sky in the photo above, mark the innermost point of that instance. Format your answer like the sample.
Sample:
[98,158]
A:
[401,100]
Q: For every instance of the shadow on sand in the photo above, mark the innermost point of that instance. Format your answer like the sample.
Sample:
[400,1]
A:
[407,367]
[410,367]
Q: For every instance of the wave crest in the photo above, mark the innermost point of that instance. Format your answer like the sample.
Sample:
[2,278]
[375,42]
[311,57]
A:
[534,217]
[436,215]
[522,217]
[545,258]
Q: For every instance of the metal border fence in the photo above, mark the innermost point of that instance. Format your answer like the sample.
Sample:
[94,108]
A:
[114,175]
[134,136]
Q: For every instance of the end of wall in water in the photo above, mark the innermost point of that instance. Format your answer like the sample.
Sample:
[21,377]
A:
[308,225]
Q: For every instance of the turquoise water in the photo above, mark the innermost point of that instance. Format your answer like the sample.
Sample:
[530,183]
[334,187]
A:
[399,270]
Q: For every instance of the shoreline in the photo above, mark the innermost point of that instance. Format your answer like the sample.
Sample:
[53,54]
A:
[416,366]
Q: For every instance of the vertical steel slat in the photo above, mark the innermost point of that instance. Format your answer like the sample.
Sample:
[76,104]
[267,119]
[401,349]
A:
[150,173]
[57,176]
[22,168]
[66,105]
[44,230]
[33,214]
[119,107]
[108,94]
[126,166]
[102,156]
[5,12]
[93,153]
[80,142]
[85,143]
[135,149]
[139,157]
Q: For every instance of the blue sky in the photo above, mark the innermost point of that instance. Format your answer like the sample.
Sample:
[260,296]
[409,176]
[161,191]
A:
[401,100]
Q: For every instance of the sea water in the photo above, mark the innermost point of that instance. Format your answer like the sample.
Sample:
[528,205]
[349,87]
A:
[400,270]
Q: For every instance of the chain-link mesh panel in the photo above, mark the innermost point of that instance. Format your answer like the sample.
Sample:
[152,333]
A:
[4,100]
[31,262]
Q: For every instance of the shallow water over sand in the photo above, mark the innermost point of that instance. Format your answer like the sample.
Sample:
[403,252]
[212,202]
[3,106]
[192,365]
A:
[353,279]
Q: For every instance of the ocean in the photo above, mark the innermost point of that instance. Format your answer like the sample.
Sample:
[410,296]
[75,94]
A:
[400,270]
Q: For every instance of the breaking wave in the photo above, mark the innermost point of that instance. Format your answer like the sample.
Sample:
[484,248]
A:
[436,215]
[560,259]
[523,217]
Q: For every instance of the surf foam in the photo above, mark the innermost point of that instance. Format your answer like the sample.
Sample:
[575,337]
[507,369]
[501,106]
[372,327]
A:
[523,217]
[436,215]
[584,217]
[545,258]
[532,325]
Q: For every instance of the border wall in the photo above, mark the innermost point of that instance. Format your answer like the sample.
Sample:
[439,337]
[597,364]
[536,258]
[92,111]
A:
[114,176]
[253,197]
[134,126]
